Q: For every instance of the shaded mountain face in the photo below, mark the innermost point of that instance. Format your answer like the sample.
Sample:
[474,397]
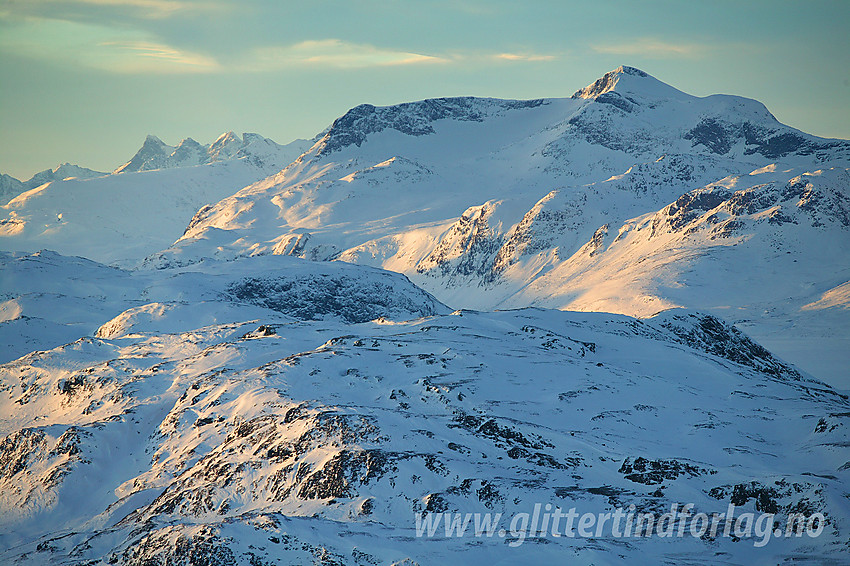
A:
[273,410]
[10,187]
[491,203]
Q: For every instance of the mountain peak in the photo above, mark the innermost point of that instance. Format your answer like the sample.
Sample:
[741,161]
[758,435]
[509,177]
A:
[625,70]
[151,139]
[628,80]
[225,138]
[152,155]
[250,137]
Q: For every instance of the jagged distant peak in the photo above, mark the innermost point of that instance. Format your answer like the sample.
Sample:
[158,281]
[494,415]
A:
[257,150]
[72,168]
[251,137]
[151,155]
[60,172]
[156,154]
[226,138]
[151,139]
[10,186]
[608,81]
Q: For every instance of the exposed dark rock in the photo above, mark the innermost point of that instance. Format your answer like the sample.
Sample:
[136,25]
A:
[710,334]
[711,134]
[316,296]
[204,548]
[616,99]
[339,476]
[782,496]
[719,137]
[16,449]
[260,332]
[653,472]
[412,118]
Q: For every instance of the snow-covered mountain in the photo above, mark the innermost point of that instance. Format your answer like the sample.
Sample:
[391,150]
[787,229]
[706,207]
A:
[761,250]
[273,410]
[263,152]
[493,203]
[285,384]
[124,217]
[10,187]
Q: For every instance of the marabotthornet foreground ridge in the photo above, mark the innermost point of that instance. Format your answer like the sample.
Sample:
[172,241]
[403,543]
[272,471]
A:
[222,402]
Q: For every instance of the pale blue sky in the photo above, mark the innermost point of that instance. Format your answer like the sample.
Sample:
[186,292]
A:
[85,80]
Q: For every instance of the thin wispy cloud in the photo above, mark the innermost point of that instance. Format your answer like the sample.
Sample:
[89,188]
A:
[129,47]
[652,47]
[145,56]
[523,57]
[98,47]
[333,53]
[136,51]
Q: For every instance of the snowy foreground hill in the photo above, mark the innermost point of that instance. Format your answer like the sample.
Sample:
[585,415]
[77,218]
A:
[283,378]
[273,410]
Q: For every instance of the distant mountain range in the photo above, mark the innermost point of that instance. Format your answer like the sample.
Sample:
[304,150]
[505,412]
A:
[262,152]
[145,204]
[156,154]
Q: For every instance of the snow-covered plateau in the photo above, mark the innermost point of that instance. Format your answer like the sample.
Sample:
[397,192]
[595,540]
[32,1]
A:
[619,302]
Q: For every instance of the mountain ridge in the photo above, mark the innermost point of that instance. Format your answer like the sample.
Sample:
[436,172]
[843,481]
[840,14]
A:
[156,154]
[10,187]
